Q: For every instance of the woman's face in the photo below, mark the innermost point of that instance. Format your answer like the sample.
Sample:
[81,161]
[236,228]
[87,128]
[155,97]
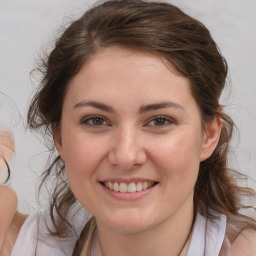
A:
[131,138]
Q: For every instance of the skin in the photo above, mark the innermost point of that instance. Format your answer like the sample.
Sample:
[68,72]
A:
[8,198]
[164,145]
[6,150]
[8,206]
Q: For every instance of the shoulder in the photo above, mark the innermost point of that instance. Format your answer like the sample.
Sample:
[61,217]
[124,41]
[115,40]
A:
[244,244]
[27,236]
[8,206]
[13,232]
[36,237]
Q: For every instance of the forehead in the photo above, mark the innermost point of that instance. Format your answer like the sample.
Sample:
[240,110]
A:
[116,72]
[129,58]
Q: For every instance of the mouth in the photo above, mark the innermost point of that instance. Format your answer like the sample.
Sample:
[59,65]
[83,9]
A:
[131,187]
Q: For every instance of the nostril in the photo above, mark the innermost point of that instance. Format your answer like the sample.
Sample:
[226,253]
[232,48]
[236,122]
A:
[127,159]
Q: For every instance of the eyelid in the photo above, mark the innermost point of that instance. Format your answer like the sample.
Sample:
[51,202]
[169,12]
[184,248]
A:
[86,119]
[166,118]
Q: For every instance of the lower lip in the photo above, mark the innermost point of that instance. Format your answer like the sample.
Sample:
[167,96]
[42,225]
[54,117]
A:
[128,196]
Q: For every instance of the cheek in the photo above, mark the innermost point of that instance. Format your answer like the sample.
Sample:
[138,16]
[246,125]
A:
[82,155]
[177,155]
[178,163]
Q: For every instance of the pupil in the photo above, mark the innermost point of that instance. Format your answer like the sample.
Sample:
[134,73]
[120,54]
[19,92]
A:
[160,121]
[98,121]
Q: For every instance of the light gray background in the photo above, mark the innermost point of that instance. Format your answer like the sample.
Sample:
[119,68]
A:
[26,25]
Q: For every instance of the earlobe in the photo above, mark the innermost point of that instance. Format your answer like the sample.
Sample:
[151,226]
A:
[58,141]
[211,137]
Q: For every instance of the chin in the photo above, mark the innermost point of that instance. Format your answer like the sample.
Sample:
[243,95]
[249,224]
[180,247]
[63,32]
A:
[128,222]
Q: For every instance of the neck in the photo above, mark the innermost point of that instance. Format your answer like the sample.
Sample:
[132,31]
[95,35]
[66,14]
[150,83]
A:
[166,238]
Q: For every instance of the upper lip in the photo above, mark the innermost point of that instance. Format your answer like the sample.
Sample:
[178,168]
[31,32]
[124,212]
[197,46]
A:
[129,180]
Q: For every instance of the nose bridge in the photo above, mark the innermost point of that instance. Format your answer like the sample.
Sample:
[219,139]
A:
[127,150]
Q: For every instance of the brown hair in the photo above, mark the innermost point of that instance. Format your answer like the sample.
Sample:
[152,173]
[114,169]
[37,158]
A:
[162,29]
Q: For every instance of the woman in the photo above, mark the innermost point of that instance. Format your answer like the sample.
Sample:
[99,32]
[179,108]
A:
[130,98]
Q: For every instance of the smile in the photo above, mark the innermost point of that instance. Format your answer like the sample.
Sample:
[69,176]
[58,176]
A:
[132,187]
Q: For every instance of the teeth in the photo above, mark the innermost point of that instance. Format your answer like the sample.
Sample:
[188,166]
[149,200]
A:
[123,188]
[144,185]
[130,188]
[116,187]
[139,186]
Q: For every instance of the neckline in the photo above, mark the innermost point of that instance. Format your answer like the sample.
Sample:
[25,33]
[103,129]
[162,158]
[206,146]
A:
[95,244]
[197,241]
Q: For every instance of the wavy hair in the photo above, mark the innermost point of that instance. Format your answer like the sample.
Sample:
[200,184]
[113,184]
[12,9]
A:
[164,30]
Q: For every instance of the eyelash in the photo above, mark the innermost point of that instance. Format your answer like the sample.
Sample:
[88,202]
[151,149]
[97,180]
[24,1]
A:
[105,122]
[92,119]
[160,118]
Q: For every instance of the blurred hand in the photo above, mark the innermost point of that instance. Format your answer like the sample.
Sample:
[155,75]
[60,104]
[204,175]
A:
[8,198]
[8,206]
[6,151]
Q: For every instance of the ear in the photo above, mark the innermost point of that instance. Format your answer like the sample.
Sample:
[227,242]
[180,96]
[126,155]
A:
[56,133]
[211,137]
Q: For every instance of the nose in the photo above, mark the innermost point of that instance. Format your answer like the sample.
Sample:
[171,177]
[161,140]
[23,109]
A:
[127,150]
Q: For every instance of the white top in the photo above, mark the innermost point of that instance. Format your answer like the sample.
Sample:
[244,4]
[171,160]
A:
[207,237]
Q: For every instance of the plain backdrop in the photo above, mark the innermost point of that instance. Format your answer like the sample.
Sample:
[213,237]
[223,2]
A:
[27,26]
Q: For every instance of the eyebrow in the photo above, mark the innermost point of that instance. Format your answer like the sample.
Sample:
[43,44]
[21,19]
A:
[161,105]
[142,109]
[94,104]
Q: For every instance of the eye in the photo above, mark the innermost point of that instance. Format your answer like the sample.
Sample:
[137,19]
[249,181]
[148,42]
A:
[95,121]
[160,121]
